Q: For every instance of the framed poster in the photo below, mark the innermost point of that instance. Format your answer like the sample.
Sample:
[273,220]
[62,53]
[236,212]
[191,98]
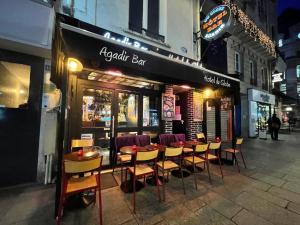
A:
[198,106]
[168,107]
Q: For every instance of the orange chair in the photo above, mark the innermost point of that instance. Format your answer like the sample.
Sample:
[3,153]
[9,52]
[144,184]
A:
[237,149]
[82,143]
[197,159]
[167,164]
[215,146]
[72,185]
[141,169]
[200,137]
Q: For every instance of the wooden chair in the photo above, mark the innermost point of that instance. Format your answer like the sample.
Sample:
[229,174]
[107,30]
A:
[168,165]
[200,137]
[237,149]
[215,146]
[141,169]
[81,143]
[197,159]
[72,185]
[181,137]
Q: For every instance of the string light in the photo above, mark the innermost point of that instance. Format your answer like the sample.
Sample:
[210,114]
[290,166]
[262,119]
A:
[251,28]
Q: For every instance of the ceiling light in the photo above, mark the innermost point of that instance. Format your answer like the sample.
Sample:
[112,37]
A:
[114,73]
[74,65]
[21,91]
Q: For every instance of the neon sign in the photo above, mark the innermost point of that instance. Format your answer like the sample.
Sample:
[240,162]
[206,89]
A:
[216,22]
[277,77]
[126,41]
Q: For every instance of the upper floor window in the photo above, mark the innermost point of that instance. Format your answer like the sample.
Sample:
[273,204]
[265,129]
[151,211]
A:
[298,89]
[144,17]
[283,88]
[280,43]
[252,76]
[298,35]
[237,62]
[298,71]
[265,84]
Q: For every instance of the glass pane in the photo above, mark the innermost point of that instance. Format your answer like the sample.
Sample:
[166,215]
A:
[96,108]
[128,110]
[14,84]
[150,111]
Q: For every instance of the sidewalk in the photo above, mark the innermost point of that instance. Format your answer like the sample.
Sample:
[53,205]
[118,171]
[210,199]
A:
[266,193]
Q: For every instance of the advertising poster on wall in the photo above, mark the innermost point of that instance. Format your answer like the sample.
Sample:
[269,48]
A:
[198,106]
[168,107]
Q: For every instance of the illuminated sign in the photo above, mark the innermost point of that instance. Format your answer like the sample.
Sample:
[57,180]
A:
[126,41]
[277,77]
[215,23]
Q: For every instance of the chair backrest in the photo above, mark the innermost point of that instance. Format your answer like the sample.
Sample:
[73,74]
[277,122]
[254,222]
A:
[81,143]
[201,148]
[82,166]
[125,141]
[179,137]
[239,141]
[166,139]
[200,136]
[214,145]
[142,140]
[171,152]
[146,155]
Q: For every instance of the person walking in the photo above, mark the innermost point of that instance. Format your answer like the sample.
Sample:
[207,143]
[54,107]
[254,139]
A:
[274,126]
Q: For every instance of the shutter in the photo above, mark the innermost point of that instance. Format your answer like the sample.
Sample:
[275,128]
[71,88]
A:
[211,122]
[226,127]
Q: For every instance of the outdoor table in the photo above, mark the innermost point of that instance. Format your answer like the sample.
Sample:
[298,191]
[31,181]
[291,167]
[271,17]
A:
[82,199]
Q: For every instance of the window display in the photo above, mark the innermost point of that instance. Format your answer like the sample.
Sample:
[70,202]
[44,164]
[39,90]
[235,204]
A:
[150,111]
[128,110]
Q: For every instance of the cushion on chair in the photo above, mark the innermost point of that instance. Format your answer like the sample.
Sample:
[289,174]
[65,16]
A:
[124,158]
[187,150]
[231,150]
[141,169]
[179,137]
[197,159]
[211,156]
[125,141]
[142,140]
[166,139]
[167,165]
[81,183]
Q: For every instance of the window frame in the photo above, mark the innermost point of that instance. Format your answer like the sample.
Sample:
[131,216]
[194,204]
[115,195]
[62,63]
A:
[237,63]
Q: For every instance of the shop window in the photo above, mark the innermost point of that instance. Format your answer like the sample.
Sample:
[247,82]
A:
[237,62]
[150,111]
[14,84]
[298,71]
[128,110]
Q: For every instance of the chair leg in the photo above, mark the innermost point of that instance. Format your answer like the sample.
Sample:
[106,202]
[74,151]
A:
[237,163]
[195,178]
[220,164]
[182,181]
[243,159]
[133,185]
[157,183]
[163,185]
[59,213]
[100,203]
[121,165]
[208,171]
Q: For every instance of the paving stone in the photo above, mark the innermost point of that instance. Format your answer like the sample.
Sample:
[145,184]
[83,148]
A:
[285,194]
[209,216]
[294,207]
[292,186]
[267,210]
[268,179]
[244,217]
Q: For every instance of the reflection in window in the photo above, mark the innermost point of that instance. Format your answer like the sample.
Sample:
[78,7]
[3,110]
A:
[150,111]
[128,110]
[96,108]
[14,84]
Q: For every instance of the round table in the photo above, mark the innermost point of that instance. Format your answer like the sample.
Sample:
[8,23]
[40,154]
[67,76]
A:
[87,155]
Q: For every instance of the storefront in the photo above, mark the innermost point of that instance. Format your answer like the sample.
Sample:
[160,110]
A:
[261,107]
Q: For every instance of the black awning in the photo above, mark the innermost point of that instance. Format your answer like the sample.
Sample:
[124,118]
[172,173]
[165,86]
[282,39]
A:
[98,53]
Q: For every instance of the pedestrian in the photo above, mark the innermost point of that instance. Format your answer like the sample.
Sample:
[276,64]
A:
[274,126]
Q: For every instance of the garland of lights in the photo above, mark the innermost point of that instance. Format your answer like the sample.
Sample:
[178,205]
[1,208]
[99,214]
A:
[251,28]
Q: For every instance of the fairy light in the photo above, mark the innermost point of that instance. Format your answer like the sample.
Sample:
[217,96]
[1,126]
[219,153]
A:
[251,28]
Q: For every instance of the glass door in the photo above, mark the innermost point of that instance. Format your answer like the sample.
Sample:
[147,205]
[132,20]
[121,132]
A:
[97,118]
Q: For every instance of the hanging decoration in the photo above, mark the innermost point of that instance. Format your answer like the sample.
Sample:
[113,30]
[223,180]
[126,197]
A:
[251,28]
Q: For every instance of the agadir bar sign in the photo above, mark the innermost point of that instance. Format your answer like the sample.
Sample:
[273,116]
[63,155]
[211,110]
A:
[215,23]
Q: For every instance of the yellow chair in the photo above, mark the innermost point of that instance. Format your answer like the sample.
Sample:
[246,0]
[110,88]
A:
[215,146]
[81,143]
[201,136]
[72,185]
[197,159]
[168,165]
[141,169]
[237,149]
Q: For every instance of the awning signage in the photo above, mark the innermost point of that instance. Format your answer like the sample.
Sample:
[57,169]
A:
[215,23]
[260,96]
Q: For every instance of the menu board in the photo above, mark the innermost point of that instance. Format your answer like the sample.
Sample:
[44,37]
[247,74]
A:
[198,106]
[168,107]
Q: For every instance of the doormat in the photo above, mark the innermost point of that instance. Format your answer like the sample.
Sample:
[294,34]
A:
[108,181]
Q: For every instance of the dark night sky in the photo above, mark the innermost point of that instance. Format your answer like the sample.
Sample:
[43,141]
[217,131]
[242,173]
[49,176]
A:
[284,4]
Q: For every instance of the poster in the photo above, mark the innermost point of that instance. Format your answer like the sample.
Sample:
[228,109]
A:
[198,106]
[168,107]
